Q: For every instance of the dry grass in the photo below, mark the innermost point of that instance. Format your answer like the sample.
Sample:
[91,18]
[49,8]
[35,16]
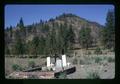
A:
[23,62]
[104,63]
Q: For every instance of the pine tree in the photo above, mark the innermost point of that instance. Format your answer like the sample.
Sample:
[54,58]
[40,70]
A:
[85,37]
[108,33]
[70,37]
[19,46]
[11,31]
[35,44]
[62,38]
[41,46]
[20,37]
[7,51]
[51,42]
[47,45]
[22,29]
[21,23]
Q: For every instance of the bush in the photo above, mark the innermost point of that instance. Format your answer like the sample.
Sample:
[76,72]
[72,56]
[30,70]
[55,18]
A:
[31,64]
[98,51]
[110,59]
[89,53]
[75,61]
[98,59]
[62,75]
[16,67]
[93,75]
[81,61]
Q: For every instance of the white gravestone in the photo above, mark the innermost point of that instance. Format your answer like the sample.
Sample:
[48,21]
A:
[64,60]
[48,61]
[59,63]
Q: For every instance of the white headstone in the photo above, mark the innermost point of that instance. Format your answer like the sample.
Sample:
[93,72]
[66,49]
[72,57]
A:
[64,60]
[48,61]
[59,63]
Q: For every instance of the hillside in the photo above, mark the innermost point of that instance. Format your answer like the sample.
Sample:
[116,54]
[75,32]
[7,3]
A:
[43,28]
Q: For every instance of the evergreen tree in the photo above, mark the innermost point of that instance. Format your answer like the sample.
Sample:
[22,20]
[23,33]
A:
[51,46]
[22,29]
[35,44]
[62,38]
[45,28]
[11,31]
[41,46]
[108,33]
[21,23]
[19,47]
[59,41]
[85,37]
[47,45]
[70,37]
[7,51]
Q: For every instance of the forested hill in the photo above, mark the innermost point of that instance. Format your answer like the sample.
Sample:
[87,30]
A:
[62,31]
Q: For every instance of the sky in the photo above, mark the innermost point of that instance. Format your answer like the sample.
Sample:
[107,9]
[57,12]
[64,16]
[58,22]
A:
[33,13]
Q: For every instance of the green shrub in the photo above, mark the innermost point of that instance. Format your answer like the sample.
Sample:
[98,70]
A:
[89,53]
[93,75]
[81,61]
[104,57]
[98,59]
[110,59]
[98,51]
[62,75]
[75,61]
[31,64]
[16,67]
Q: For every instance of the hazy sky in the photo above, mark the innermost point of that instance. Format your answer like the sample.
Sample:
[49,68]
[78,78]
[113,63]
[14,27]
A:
[33,13]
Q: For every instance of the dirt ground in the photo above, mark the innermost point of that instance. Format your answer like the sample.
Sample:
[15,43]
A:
[104,72]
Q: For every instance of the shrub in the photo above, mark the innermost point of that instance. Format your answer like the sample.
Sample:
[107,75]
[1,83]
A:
[104,57]
[89,53]
[98,51]
[93,75]
[97,59]
[75,61]
[16,67]
[31,64]
[110,59]
[62,75]
[81,61]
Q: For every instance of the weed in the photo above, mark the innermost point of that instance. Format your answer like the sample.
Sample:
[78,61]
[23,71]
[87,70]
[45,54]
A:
[75,61]
[16,67]
[98,51]
[31,64]
[97,59]
[93,75]
[62,75]
[110,59]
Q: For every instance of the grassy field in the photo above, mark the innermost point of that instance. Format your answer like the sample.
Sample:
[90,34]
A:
[87,66]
